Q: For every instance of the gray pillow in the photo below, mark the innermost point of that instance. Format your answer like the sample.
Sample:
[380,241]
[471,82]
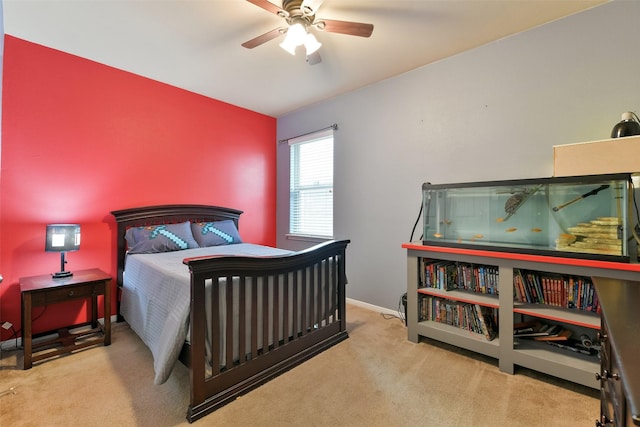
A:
[160,238]
[216,233]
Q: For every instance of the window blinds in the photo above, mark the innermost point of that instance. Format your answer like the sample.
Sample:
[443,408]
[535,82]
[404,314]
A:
[311,185]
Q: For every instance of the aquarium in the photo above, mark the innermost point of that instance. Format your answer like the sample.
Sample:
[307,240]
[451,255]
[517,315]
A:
[583,216]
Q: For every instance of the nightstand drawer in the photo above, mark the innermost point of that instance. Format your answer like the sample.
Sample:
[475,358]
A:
[67,293]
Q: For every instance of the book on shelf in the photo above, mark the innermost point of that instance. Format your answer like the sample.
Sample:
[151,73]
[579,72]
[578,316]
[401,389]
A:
[486,320]
[573,292]
[472,317]
[452,275]
[521,291]
[438,274]
[535,289]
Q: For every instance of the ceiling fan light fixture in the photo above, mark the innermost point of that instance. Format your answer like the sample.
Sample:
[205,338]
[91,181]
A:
[296,36]
[288,46]
[311,44]
[300,16]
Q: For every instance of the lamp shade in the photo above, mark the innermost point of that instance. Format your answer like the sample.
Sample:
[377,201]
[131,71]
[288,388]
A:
[311,44]
[62,238]
[628,126]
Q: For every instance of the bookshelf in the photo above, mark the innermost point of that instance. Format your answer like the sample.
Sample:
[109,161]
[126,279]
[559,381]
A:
[509,351]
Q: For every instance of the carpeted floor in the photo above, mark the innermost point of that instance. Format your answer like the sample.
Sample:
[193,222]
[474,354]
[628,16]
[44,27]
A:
[374,378]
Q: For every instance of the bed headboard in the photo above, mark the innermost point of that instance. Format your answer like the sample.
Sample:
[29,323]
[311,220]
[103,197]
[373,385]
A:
[164,214]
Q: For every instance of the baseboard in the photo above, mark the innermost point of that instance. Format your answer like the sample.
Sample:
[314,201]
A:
[372,307]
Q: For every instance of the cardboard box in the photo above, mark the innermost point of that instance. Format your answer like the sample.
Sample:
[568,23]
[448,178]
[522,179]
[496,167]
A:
[618,155]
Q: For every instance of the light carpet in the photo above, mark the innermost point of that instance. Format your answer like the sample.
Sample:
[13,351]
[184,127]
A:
[374,378]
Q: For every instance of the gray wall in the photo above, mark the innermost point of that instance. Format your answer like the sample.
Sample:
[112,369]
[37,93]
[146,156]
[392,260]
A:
[491,113]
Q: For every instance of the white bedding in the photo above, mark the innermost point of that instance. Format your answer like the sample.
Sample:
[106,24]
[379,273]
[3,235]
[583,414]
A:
[156,298]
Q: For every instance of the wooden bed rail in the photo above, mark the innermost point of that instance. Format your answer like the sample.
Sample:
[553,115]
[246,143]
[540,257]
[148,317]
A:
[275,312]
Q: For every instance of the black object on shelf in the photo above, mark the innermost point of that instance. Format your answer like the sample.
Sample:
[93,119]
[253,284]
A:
[404,304]
[628,126]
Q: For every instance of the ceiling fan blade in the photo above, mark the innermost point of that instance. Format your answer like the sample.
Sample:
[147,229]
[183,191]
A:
[314,58]
[311,5]
[264,38]
[345,27]
[268,6]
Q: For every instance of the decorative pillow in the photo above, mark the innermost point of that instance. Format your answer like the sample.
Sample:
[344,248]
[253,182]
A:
[160,238]
[129,237]
[215,233]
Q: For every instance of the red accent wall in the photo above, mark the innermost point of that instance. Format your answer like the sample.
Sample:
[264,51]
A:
[80,139]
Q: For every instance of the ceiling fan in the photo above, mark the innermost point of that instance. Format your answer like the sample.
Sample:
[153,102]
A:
[300,16]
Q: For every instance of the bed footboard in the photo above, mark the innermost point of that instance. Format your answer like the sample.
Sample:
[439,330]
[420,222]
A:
[265,315]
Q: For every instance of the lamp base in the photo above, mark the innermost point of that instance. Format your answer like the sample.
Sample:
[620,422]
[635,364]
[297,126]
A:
[61,274]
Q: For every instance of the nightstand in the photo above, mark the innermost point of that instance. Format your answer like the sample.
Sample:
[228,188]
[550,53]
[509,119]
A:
[37,291]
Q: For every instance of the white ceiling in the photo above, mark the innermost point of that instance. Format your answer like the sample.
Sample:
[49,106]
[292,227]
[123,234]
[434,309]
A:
[196,44]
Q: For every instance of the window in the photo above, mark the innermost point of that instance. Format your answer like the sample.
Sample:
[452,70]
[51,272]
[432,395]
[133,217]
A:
[311,185]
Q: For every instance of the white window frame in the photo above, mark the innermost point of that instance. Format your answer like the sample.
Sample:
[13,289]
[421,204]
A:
[310,231]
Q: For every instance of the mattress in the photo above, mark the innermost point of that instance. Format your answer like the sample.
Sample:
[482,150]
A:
[156,298]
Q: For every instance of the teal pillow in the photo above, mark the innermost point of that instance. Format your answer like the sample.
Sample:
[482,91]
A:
[216,233]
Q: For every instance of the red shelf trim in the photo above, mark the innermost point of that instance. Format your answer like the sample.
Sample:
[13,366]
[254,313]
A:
[426,291]
[556,318]
[610,265]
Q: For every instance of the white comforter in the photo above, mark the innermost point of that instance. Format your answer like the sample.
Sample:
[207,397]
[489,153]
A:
[156,297]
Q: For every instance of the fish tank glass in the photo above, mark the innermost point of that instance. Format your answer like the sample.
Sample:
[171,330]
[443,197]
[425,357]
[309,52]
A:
[584,216]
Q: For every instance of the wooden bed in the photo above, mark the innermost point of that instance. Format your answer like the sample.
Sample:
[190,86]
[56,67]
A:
[306,289]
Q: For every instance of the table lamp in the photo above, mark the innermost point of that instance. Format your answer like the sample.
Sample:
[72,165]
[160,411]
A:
[627,126]
[62,238]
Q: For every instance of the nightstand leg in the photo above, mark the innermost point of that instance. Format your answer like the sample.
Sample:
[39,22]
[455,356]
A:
[94,311]
[26,329]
